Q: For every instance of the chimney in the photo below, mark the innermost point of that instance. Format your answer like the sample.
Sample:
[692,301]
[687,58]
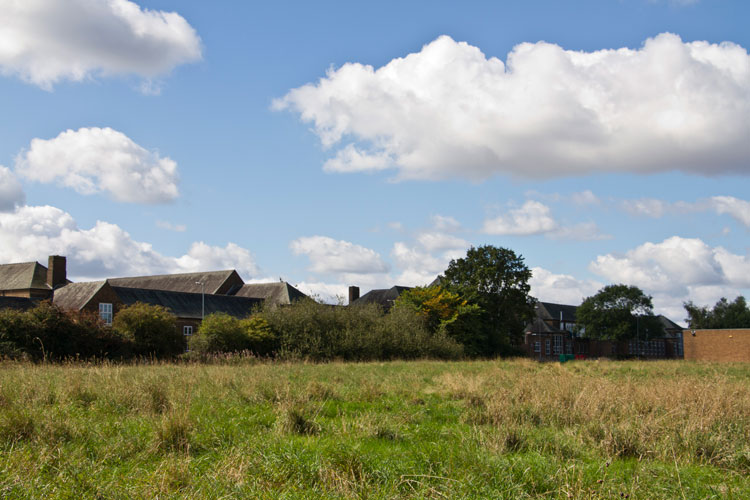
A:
[56,274]
[353,294]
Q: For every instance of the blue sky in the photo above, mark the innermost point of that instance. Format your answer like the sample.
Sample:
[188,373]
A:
[338,143]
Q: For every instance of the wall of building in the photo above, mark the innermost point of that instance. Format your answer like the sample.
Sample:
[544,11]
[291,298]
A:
[717,345]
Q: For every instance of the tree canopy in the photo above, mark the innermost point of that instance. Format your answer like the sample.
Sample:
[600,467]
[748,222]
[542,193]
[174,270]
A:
[497,280]
[618,312]
[724,314]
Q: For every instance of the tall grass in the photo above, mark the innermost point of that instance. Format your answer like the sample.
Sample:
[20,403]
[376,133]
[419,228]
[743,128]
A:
[241,428]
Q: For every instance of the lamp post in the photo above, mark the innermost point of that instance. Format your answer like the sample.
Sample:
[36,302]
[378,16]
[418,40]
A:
[203,298]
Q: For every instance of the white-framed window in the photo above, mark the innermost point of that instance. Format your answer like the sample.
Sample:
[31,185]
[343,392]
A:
[547,344]
[558,344]
[187,331]
[105,312]
[537,346]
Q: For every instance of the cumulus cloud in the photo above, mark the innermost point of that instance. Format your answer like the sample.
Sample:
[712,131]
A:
[532,218]
[91,160]
[678,269]
[105,250]
[738,209]
[11,192]
[46,41]
[585,198]
[449,111]
[330,256]
[561,288]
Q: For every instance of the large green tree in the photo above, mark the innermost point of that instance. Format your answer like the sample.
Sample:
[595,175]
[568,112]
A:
[724,314]
[152,329]
[497,280]
[618,312]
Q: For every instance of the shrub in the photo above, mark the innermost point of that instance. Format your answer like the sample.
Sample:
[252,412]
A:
[219,332]
[323,332]
[151,329]
[260,337]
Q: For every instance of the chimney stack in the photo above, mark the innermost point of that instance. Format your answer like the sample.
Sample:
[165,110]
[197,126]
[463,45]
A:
[56,273]
[353,294]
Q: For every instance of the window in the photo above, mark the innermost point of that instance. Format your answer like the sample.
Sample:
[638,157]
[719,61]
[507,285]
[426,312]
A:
[537,347]
[558,344]
[187,331]
[546,347]
[105,312]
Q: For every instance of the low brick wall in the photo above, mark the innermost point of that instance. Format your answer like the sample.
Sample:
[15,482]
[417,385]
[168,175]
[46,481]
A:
[717,345]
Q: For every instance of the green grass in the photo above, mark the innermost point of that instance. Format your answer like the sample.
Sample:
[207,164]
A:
[485,429]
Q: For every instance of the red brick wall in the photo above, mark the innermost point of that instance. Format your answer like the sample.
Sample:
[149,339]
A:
[717,345]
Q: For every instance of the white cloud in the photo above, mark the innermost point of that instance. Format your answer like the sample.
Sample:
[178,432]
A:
[445,223]
[448,111]
[585,198]
[436,240]
[91,160]
[738,209]
[532,218]
[330,293]
[583,231]
[647,207]
[328,255]
[561,288]
[105,250]
[11,192]
[676,270]
[178,228]
[46,41]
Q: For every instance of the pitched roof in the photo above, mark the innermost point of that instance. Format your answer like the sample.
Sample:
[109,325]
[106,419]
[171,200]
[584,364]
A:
[549,310]
[385,296]
[669,325]
[23,275]
[189,305]
[276,293]
[184,282]
[76,295]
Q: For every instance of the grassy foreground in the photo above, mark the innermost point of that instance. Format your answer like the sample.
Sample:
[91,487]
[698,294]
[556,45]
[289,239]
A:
[489,429]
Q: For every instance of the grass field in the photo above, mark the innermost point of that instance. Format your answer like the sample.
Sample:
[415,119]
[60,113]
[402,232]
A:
[485,429]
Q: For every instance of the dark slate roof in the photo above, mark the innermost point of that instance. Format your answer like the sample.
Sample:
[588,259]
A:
[541,326]
[23,275]
[20,303]
[385,297]
[184,282]
[276,293]
[76,295]
[188,305]
[669,325]
[549,310]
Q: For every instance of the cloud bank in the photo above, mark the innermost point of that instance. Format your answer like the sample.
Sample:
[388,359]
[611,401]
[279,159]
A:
[105,250]
[448,111]
[330,256]
[91,160]
[46,41]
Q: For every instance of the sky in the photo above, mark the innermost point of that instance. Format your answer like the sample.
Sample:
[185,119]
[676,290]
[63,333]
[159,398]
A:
[331,144]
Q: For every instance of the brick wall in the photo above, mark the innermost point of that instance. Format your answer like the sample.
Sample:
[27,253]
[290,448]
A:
[717,345]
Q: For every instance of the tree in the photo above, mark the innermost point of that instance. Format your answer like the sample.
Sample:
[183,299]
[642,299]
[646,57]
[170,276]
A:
[151,329]
[497,280]
[220,332]
[725,314]
[618,312]
[445,312]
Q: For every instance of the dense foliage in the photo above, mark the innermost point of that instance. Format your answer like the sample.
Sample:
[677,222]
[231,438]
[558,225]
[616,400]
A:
[447,313]
[618,312]
[496,280]
[47,332]
[221,332]
[151,329]
[307,329]
[724,314]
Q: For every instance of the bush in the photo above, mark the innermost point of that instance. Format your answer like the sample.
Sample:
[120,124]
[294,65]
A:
[321,332]
[152,330]
[48,332]
[260,337]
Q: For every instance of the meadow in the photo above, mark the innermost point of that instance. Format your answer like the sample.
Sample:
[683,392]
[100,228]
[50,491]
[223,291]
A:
[243,428]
